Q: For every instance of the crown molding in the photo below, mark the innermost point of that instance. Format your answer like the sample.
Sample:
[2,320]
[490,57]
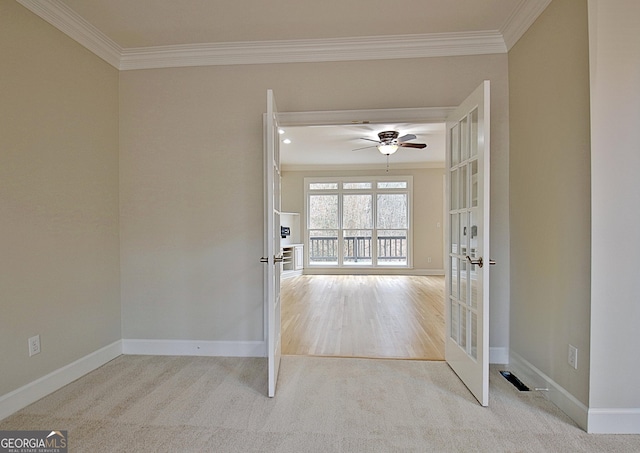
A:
[521,19]
[392,47]
[315,50]
[73,25]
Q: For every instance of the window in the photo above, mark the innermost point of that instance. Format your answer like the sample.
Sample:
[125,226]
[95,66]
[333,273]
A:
[358,221]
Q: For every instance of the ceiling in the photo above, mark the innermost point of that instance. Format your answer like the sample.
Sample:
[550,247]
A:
[145,23]
[139,34]
[329,146]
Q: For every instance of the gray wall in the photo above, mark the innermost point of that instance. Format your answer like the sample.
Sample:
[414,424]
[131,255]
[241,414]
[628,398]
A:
[191,180]
[162,240]
[550,195]
[59,265]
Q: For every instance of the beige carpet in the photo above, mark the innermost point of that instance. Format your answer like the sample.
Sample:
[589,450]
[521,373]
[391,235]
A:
[202,404]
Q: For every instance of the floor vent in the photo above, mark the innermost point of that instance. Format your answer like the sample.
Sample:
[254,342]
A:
[517,383]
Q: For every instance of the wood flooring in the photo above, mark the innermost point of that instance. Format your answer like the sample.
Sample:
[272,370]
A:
[363,316]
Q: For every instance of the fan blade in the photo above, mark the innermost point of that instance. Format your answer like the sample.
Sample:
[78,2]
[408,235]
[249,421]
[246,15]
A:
[406,138]
[366,147]
[375,141]
[413,145]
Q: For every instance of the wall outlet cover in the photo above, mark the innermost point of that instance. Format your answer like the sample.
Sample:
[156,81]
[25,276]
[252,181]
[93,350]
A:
[34,345]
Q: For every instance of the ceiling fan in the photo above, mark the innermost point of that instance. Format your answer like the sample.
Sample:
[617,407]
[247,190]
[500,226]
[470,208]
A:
[390,142]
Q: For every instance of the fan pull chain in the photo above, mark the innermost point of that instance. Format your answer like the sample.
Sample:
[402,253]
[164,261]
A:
[387,163]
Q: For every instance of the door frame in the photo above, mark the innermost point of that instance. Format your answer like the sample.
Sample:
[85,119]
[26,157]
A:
[347,117]
[371,116]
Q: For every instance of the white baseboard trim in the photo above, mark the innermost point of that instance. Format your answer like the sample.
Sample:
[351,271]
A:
[499,356]
[33,391]
[536,379]
[371,271]
[614,421]
[196,348]
[593,420]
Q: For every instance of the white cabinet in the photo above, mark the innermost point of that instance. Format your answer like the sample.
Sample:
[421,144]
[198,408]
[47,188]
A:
[292,249]
[298,257]
[293,260]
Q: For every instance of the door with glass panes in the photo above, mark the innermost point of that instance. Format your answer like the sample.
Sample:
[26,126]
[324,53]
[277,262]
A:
[467,282]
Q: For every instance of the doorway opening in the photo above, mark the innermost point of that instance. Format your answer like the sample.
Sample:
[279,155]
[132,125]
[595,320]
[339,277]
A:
[365,312]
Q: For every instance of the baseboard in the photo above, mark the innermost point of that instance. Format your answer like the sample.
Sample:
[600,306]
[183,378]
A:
[498,355]
[289,274]
[196,348]
[536,379]
[614,421]
[32,392]
[371,271]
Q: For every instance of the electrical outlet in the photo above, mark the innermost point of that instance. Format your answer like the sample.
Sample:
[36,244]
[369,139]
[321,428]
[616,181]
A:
[573,356]
[34,345]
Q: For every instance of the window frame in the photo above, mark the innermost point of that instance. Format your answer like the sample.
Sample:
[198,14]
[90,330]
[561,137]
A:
[374,191]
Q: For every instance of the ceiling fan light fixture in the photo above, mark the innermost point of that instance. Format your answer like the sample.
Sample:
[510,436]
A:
[387,149]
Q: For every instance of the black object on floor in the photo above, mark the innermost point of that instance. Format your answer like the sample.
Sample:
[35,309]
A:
[517,383]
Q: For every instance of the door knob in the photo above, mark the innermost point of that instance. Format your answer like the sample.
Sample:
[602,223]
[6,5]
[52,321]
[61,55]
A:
[264,260]
[278,259]
[479,262]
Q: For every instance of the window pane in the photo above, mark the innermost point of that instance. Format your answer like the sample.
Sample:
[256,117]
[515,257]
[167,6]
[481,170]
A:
[323,186]
[463,329]
[392,185]
[455,233]
[463,187]
[392,211]
[356,185]
[464,279]
[392,247]
[357,211]
[464,139]
[455,324]
[474,133]
[454,276]
[323,247]
[357,247]
[455,189]
[474,183]
[323,211]
[474,335]
[473,248]
[455,145]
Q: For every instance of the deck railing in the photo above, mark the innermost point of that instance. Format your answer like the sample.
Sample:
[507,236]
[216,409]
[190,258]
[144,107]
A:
[357,248]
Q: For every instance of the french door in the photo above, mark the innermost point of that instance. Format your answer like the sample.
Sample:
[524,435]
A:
[467,281]
[272,257]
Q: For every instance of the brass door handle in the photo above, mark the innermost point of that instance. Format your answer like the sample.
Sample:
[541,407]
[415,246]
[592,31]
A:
[479,262]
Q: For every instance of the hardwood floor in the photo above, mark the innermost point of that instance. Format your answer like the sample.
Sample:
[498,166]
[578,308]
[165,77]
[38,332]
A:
[364,316]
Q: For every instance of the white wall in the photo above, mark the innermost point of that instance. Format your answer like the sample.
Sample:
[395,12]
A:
[191,180]
[59,258]
[292,220]
[615,165]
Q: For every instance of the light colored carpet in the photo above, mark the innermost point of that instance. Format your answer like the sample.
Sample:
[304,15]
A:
[204,404]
